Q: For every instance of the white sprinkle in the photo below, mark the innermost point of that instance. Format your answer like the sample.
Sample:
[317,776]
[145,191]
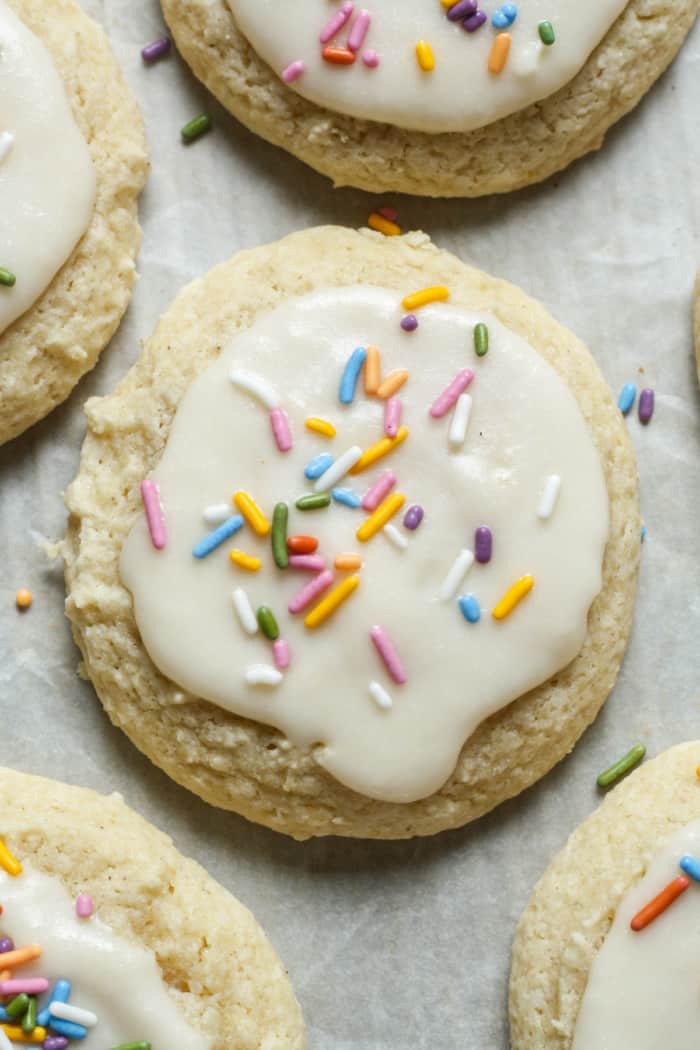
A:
[397,538]
[380,696]
[460,420]
[68,1012]
[256,386]
[338,470]
[7,141]
[5,1043]
[217,513]
[549,497]
[462,564]
[263,674]
[241,603]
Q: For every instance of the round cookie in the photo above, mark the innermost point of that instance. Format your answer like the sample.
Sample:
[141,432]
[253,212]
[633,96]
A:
[573,905]
[220,972]
[56,341]
[246,766]
[509,153]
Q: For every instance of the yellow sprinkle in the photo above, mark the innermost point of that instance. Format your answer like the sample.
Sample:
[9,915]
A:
[384,512]
[425,56]
[424,296]
[372,370]
[697,771]
[393,382]
[14,1032]
[512,596]
[252,513]
[11,865]
[320,426]
[327,606]
[379,450]
[347,562]
[499,53]
[245,561]
[382,225]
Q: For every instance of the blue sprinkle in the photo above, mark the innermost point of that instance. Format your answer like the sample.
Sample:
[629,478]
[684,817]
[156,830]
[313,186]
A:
[70,1029]
[217,537]
[347,497]
[319,465]
[644,533]
[351,374]
[628,396]
[691,867]
[469,607]
[504,16]
[3,1015]
[60,994]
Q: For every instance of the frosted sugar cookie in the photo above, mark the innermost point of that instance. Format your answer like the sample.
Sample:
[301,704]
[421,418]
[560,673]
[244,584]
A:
[349,559]
[428,97]
[72,163]
[606,953]
[112,940]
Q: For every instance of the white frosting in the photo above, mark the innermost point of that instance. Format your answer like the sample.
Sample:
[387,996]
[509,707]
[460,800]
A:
[458,673]
[117,980]
[642,987]
[47,183]
[460,93]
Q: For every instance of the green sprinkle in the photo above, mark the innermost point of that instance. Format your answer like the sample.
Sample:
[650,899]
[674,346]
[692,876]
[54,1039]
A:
[546,30]
[133,1046]
[268,623]
[481,340]
[7,277]
[280,516]
[622,766]
[196,127]
[18,1006]
[313,501]
[29,1019]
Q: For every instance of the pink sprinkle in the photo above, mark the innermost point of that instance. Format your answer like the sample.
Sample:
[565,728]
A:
[311,562]
[389,212]
[30,985]
[84,906]
[392,416]
[386,649]
[280,653]
[359,30]
[154,513]
[371,60]
[336,22]
[376,493]
[449,396]
[280,428]
[312,589]
[293,71]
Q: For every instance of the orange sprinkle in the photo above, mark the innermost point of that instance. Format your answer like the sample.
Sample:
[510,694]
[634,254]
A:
[23,598]
[660,903]
[382,225]
[5,975]
[348,562]
[340,56]
[499,53]
[302,544]
[372,370]
[21,955]
[393,382]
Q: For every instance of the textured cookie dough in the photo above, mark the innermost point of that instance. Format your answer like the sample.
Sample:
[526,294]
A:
[523,148]
[573,905]
[239,764]
[47,350]
[216,961]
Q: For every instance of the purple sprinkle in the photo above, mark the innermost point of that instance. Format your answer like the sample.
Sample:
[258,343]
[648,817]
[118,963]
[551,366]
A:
[646,405]
[409,323]
[462,9]
[7,945]
[413,517]
[155,50]
[472,24]
[55,1042]
[483,543]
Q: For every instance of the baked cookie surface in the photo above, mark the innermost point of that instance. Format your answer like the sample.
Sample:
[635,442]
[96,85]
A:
[519,149]
[246,766]
[45,352]
[219,969]
[573,905]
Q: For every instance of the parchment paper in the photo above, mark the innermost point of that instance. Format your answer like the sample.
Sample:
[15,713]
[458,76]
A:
[401,946]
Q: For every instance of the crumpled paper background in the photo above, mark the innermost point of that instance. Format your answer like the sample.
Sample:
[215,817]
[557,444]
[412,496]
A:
[398,946]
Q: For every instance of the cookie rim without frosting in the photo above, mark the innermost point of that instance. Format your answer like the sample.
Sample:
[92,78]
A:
[573,904]
[506,155]
[47,350]
[150,894]
[248,767]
